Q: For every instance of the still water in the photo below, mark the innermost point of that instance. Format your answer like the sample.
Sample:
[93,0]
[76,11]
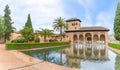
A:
[87,58]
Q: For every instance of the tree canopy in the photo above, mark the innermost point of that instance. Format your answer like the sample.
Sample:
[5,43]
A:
[45,33]
[8,23]
[59,25]
[2,27]
[28,32]
[117,23]
[29,23]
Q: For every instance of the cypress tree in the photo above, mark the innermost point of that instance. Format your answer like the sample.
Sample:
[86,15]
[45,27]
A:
[28,32]
[8,23]
[117,22]
[29,23]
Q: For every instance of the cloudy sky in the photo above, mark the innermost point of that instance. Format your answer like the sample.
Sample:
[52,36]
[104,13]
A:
[43,12]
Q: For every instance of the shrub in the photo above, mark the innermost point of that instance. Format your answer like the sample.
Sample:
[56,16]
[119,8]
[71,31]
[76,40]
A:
[19,40]
[55,40]
[114,45]
[12,46]
[36,39]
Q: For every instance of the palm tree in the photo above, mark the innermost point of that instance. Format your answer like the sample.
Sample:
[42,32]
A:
[45,33]
[59,25]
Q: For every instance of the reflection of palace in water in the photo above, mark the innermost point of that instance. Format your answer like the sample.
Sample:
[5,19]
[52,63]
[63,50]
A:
[87,52]
[88,42]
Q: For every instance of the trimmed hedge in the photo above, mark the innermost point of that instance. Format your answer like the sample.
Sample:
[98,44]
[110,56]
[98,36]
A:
[117,63]
[18,46]
[20,40]
[114,45]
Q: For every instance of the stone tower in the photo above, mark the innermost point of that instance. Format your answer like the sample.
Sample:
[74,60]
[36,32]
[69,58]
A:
[73,24]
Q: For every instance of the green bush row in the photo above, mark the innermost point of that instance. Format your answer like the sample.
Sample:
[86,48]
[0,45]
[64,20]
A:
[114,45]
[19,40]
[23,40]
[18,46]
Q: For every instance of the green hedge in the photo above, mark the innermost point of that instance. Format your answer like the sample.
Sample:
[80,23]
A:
[114,45]
[18,46]
[20,40]
[117,63]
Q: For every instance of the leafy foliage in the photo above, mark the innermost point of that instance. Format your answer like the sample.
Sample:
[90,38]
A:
[117,23]
[2,27]
[53,40]
[59,25]
[8,23]
[36,39]
[20,40]
[29,23]
[27,33]
[45,33]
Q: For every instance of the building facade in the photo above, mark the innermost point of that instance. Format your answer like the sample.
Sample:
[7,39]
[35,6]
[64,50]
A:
[85,35]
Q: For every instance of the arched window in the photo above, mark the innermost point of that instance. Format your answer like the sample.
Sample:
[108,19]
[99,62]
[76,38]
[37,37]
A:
[75,38]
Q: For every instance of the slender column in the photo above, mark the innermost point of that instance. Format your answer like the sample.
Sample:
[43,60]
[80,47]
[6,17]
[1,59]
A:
[71,39]
[84,39]
[84,47]
[92,38]
[92,46]
[77,38]
[106,39]
[98,36]
[98,44]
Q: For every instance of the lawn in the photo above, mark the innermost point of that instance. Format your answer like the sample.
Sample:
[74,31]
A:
[114,45]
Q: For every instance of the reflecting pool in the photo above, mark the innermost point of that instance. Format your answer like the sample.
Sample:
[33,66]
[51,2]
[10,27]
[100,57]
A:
[81,57]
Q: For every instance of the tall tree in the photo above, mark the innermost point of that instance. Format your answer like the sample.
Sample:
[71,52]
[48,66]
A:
[2,27]
[28,32]
[8,23]
[117,22]
[45,33]
[29,23]
[59,25]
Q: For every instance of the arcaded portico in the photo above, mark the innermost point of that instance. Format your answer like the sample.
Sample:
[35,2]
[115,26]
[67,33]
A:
[86,35]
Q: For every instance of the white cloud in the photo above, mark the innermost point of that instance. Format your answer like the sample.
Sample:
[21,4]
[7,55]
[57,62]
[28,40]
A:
[105,19]
[89,6]
[87,21]
[43,12]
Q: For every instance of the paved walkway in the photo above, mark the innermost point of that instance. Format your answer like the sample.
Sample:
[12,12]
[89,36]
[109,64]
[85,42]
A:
[15,60]
[116,50]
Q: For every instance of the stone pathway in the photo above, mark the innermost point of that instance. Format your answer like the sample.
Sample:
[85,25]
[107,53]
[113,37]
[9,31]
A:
[15,60]
[116,50]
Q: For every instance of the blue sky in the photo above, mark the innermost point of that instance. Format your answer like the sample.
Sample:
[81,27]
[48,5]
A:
[43,12]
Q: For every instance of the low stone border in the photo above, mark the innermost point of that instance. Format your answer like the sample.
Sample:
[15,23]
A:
[115,50]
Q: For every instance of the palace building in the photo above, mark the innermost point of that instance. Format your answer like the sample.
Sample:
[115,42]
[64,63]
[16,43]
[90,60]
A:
[85,35]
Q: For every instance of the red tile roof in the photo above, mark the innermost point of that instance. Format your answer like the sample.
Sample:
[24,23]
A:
[73,19]
[84,29]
